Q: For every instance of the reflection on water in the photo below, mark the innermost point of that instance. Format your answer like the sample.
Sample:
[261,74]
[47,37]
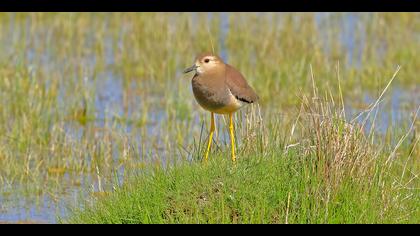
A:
[110,104]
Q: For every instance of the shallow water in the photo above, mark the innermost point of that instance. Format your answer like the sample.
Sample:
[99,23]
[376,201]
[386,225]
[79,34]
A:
[17,203]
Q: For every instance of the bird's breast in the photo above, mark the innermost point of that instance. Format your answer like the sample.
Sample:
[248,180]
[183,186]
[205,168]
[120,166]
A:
[214,97]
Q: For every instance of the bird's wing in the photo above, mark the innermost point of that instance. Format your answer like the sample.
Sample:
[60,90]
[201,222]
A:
[238,86]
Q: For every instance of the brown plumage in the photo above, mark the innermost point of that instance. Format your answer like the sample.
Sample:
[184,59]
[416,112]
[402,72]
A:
[238,85]
[219,87]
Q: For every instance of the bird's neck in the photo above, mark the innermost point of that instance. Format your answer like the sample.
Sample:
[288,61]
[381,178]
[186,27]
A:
[217,72]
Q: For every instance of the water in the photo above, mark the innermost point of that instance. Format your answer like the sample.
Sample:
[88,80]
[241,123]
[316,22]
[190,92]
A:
[110,104]
[398,101]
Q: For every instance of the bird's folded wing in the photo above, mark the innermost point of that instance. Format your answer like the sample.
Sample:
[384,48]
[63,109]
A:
[238,86]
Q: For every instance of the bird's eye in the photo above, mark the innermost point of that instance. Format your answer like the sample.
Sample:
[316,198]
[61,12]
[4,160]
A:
[206,60]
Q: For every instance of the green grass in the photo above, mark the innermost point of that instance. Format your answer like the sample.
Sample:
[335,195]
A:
[333,175]
[277,188]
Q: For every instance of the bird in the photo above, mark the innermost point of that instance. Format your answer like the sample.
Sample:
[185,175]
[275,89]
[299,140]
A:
[220,89]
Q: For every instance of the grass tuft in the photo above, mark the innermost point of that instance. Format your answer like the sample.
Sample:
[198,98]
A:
[333,174]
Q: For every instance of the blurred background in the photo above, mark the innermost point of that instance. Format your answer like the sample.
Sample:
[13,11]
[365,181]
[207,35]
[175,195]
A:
[88,99]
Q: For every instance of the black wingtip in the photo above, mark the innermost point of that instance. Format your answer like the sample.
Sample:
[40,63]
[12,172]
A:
[243,100]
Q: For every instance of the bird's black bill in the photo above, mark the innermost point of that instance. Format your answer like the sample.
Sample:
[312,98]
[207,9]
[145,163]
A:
[190,69]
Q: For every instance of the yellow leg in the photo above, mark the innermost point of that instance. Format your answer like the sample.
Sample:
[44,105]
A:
[232,137]
[212,128]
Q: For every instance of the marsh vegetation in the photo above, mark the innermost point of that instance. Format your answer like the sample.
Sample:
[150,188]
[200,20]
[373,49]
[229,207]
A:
[92,102]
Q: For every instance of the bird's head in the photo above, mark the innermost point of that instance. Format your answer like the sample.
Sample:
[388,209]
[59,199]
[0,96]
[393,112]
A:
[206,63]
